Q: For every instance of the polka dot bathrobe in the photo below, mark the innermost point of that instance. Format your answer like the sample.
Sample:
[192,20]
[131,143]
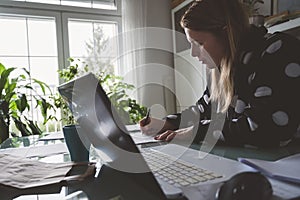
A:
[266,106]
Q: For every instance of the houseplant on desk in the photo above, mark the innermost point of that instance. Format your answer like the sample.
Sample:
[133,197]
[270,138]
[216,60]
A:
[78,148]
[128,109]
[14,102]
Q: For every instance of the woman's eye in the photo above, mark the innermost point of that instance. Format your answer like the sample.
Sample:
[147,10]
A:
[198,44]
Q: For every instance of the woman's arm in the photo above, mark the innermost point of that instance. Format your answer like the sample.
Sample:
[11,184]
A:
[188,123]
[267,112]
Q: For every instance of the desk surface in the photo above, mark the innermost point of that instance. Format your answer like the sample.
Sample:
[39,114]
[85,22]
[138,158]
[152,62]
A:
[55,191]
[270,154]
[220,149]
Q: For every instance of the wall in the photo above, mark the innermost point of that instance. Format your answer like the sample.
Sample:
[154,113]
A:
[158,73]
[190,75]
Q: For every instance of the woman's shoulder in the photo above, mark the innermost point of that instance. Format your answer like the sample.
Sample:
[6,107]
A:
[270,37]
[257,39]
[263,45]
[269,60]
[280,41]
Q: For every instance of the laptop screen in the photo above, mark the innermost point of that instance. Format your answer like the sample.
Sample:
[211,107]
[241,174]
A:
[101,125]
[97,117]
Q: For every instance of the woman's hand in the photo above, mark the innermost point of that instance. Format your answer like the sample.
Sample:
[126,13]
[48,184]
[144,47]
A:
[152,126]
[181,134]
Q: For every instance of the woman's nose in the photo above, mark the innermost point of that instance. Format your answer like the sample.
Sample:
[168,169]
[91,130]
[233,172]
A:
[194,52]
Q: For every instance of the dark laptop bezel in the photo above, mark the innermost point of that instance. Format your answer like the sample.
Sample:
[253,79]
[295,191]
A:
[145,180]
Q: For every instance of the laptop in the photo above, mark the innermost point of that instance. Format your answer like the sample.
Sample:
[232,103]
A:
[156,169]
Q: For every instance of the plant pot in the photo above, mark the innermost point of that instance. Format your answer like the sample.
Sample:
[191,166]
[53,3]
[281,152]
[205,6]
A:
[77,145]
[257,20]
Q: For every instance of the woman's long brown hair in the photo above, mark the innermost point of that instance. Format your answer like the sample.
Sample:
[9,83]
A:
[227,20]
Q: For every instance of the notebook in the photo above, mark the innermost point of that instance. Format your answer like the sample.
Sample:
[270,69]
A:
[157,168]
[285,169]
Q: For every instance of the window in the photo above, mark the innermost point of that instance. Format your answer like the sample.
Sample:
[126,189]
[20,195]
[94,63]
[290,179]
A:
[41,37]
[100,4]
[95,43]
[23,47]
[24,44]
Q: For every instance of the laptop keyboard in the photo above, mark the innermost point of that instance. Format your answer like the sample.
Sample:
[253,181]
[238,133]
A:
[174,171]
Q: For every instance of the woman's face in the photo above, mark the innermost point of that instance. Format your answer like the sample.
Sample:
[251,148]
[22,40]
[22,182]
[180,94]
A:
[206,47]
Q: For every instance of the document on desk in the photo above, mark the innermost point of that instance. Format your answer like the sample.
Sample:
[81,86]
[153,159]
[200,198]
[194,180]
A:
[20,172]
[37,151]
[137,135]
[53,136]
[285,169]
[140,138]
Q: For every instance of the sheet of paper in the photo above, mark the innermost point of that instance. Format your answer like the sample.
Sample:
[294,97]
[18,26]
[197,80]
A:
[53,136]
[24,173]
[137,136]
[133,128]
[140,138]
[283,169]
[37,151]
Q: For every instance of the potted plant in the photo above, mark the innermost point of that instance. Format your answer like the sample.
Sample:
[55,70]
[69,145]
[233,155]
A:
[79,150]
[253,11]
[14,102]
[128,109]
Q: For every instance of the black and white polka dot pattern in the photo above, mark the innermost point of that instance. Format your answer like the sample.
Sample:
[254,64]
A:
[280,118]
[292,70]
[271,90]
[263,91]
[275,46]
[247,57]
[253,126]
[240,106]
[266,110]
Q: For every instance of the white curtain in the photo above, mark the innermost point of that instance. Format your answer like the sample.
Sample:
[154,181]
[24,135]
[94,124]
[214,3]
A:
[134,14]
[147,53]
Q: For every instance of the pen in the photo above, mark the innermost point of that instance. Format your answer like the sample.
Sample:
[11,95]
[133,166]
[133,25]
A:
[146,121]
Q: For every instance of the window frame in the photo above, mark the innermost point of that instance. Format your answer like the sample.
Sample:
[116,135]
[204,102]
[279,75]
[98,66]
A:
[66,16]
[63,8]
[61,15]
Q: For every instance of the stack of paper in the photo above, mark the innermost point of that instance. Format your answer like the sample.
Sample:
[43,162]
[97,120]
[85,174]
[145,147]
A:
[286,169]
[20,172]
[37,151]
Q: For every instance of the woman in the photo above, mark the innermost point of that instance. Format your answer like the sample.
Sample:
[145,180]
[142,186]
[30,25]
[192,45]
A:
[254,80]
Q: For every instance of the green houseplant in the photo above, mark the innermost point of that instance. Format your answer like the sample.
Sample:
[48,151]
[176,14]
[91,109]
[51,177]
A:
[128,108]
[14,102]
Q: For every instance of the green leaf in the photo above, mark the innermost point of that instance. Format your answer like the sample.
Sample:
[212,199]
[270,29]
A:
[24,103]
[28,87]
[4,78]
[2,68]
[42,85]
[35,130]
[10,88]
[45,106]
[21,126]
[26,71]
[23,76]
